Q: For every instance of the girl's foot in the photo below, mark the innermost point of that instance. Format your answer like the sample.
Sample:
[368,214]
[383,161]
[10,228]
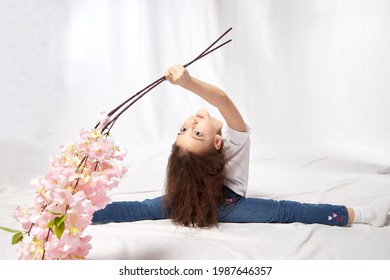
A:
[374,214]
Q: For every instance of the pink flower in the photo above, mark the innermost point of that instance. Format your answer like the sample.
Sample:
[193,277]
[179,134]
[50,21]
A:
[22,217]
[103,120]
[75,186]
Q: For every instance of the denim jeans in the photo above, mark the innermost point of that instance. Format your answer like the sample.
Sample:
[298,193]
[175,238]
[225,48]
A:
[236,209]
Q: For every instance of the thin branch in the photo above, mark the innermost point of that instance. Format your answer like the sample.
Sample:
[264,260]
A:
[149,87]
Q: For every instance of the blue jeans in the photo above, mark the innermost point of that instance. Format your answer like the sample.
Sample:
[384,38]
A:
[236,209]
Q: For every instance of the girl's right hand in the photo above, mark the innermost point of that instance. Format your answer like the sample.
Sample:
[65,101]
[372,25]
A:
[177,75]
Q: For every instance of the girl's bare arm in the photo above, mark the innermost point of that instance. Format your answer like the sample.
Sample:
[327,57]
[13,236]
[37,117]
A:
[178,75]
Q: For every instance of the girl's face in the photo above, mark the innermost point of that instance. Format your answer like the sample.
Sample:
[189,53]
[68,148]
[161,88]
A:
[200,133]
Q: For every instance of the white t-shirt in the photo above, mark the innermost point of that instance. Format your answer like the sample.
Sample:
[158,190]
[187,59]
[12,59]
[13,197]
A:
[237,148]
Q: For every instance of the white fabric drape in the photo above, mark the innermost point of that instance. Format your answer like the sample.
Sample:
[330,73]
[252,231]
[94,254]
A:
[302,72]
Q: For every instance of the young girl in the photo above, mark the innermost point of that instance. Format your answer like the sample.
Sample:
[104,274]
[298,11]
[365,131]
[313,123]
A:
[207,177]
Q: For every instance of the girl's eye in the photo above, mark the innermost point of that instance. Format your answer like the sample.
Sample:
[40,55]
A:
[183,129]
[198,134]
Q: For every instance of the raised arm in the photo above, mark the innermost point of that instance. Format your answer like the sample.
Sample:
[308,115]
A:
[178,75]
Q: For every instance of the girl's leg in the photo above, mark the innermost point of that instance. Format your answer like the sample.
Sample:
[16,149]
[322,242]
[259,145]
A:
[130,211]
[256,210]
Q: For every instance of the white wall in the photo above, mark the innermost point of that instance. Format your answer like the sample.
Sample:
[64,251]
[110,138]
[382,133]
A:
[304,73]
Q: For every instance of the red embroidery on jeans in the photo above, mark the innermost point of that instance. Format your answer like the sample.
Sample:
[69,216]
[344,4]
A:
[230,200]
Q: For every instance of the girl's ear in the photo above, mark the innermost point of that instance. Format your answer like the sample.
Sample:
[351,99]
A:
[217,141]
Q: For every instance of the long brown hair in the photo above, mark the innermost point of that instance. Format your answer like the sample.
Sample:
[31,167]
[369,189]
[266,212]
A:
[194,186]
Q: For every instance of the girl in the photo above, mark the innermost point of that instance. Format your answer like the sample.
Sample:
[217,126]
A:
[207,177]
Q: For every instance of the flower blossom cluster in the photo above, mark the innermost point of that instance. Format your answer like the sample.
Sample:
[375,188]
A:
[75,186]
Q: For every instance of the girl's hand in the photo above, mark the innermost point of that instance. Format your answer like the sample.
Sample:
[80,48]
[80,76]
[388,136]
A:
[177,75]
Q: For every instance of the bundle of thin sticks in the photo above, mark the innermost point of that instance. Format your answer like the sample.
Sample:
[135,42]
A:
[119,110]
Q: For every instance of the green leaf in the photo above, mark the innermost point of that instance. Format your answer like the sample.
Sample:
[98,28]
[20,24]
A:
[18,237]
[10,230]
[54,212]
[59,230]
[57,225]
[60,220]
[51,223]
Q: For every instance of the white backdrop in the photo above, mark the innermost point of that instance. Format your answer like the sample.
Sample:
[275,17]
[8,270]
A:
[304,73]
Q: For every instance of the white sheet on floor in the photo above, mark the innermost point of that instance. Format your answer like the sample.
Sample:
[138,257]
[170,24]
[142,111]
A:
[302,175]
